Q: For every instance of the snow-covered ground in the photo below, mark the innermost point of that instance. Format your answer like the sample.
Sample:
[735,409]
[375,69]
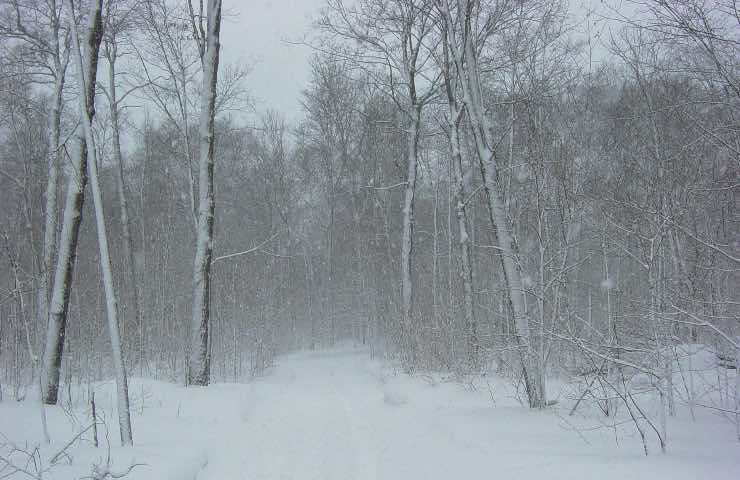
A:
[340,415]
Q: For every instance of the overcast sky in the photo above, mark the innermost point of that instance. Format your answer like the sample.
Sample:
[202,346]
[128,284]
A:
[256,33]
[259,31]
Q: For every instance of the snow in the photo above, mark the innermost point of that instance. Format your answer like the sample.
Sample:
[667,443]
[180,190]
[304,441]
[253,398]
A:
[339,414]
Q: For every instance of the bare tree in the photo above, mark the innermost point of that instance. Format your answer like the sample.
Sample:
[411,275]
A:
[461,22]
[462,196]
[170,62]
[209,45]
[333,131]
[46,51]
[397,37]
[72,219]
[705,32]
[87,112]
[118,23]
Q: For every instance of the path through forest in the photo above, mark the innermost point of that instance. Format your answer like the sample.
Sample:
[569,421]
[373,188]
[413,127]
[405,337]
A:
[339,415]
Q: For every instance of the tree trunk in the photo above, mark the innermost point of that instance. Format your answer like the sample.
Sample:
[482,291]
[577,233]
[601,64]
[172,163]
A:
[407,289]
[533,378]
[462,194]
[52,181]
[199,361]
[330,261]
[87,111]
[467,69]
[66,258]
[464,240]
[128,242]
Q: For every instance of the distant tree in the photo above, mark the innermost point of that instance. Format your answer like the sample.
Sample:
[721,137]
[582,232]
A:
[397,40]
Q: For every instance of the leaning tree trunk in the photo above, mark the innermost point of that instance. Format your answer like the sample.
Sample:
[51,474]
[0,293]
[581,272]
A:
[467,69]
[75,198]
[87,111]
[533,377]
[199,361]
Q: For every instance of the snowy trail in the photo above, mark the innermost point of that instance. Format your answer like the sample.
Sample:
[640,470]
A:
[302,424]
[339,415]
[333,416]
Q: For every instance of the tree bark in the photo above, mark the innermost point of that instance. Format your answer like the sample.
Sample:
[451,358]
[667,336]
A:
[199,361]
[52,183]
[67,254]
[87,111]
[464,241]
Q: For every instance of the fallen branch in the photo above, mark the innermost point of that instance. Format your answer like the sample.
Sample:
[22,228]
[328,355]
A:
[70,443]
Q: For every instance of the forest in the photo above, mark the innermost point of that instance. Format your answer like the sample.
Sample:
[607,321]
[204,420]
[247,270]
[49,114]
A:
[534,193]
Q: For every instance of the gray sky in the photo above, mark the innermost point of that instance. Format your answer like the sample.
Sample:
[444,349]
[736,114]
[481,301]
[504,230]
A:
[256,34]
[255,31]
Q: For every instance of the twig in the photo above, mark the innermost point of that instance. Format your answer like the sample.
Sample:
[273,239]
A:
[245,252]
[69,444]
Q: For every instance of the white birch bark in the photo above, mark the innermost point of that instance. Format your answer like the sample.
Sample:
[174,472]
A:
[199,361]
[52,181]
[465,59]
[66,255]
[87,111]
[66,259]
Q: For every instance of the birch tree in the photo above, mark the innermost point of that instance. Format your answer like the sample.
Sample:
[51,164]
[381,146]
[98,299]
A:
[461,24]
[75,197]
[209,45]
[46,50]
[86,73]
